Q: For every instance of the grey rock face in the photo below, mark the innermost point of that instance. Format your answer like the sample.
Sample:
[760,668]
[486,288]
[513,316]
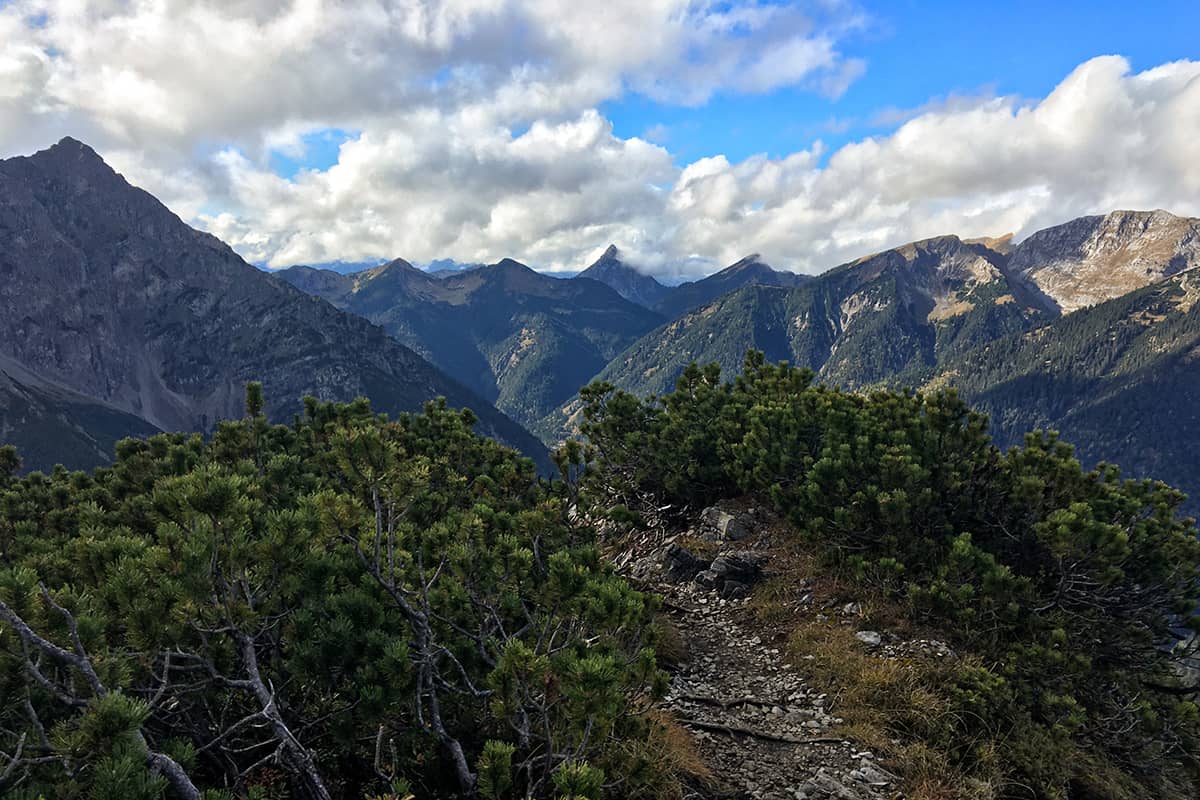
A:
[634,286]
[50,425]
[106,293]
[1093,259]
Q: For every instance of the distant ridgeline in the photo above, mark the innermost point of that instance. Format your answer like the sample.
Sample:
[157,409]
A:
[1091,328]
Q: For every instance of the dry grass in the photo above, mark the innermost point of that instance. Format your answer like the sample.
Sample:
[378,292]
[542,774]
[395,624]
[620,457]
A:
[894,706]
[678,747]
[670,645]
[698,546]
[666,764]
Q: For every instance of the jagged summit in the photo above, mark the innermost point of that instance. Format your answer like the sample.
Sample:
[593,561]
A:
[634,286]
[512,264]
[524,340]
[108,294]
[70,154]
[746,262]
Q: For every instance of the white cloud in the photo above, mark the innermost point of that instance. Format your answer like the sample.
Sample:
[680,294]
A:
[1105,138]
[446,187]
[479,135]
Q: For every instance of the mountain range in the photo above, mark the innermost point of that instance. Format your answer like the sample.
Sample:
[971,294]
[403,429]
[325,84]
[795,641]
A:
[522,340]
[116,318]
[119,319]
[1089,328]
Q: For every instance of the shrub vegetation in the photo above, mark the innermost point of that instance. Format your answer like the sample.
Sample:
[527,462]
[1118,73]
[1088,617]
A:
[352,607]
[1067,590]
[345,607]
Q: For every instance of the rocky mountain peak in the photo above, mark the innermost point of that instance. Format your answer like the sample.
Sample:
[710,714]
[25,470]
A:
[110,295]
[397,268]
[69,144]
[751,261]
[1093,259]
[511,265]
[71,157]
[634,286]
[998,244]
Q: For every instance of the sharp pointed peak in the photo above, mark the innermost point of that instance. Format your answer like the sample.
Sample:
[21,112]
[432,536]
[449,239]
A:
[750,260]
[70,146]
[611,257]
[394,268]
[512,263]
[397,263]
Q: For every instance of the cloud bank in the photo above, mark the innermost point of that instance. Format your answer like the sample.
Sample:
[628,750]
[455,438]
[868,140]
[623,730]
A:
[476,134]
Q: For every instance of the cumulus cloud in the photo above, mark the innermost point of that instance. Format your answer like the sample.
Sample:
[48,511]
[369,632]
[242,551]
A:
[474,131]
[448,187]
[1105,138]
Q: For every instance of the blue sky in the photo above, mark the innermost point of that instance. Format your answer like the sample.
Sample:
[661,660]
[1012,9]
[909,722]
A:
[682,131]
[918,51]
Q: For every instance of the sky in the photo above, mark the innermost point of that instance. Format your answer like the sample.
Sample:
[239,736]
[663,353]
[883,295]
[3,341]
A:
[687,132]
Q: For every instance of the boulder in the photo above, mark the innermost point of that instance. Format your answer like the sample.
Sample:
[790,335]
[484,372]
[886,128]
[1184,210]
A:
[722,526]
[744,566]
[732,590]
[869,638]
[826,784]
[680,564]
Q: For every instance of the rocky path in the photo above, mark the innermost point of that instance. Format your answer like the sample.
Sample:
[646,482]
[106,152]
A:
[762,731]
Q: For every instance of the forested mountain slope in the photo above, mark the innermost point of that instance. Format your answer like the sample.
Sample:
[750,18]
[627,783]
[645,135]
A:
[1120,380]
[521,339]
[1016,329]
[749,271]
[855,325]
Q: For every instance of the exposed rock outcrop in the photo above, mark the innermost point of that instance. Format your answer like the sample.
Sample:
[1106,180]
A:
[634,286]
[106,293]
[1092,259]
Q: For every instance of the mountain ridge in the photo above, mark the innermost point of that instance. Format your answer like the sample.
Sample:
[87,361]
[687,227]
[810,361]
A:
[748,270]
[945,311]
[1090,260]
[635,286]
[524,340]
[107,293]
